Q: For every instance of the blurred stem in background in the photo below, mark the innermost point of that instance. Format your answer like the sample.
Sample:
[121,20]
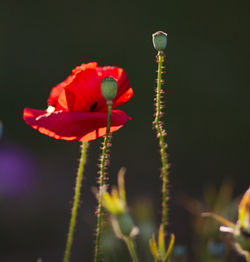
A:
[131,247]
[76,202]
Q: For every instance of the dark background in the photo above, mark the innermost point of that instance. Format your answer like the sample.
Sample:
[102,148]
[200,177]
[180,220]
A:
[206,114]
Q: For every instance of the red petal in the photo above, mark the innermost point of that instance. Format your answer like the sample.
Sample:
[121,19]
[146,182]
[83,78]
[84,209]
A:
[82,89]
[82,92]
[124,92]
[54,95]
[123,98]
[73,79]
[79,126]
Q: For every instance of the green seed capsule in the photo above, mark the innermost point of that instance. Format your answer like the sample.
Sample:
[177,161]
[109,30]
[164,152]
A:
[109,88]
[159,40]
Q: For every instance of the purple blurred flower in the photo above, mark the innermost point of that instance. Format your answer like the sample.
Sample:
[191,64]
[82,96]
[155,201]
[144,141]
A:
[16,170]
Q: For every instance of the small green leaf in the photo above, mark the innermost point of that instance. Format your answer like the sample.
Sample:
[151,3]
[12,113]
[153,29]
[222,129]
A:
[170,248]
[161,241]
[153,248]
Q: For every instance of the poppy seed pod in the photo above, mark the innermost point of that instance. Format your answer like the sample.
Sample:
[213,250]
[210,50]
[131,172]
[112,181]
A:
[159,40]
[109,88]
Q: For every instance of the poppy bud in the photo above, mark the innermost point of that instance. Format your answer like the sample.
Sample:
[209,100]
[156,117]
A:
[159,40]
[109,88]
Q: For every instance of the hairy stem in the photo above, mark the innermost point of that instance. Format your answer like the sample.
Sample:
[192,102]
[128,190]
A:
[101,181]
[161,132]
[76,202]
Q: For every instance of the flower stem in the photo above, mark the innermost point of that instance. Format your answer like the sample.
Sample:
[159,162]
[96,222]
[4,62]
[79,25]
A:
[102,181]
[76,202]
[161,133]
[131,248]
[247,256]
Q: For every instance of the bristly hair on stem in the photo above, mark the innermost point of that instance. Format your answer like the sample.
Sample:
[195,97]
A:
[109,91]
[75,202]
[160,42]
[160,135]
[101,181]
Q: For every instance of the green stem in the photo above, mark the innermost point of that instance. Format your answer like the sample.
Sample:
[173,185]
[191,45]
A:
[76,202]
[247,256]
[101,181]
[131,248]
[170,248]
[161,133]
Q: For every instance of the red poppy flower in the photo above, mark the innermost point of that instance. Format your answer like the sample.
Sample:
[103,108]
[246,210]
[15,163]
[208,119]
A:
[77,110]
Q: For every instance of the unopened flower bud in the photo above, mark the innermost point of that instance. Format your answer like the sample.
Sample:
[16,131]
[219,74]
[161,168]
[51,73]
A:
[109,88]
[126,223]
[159,40]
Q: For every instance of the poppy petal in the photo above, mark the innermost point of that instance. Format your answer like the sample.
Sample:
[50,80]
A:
[124,92]
[58,89]
[82,89]
[79,126]
[123,98]
[54,95]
